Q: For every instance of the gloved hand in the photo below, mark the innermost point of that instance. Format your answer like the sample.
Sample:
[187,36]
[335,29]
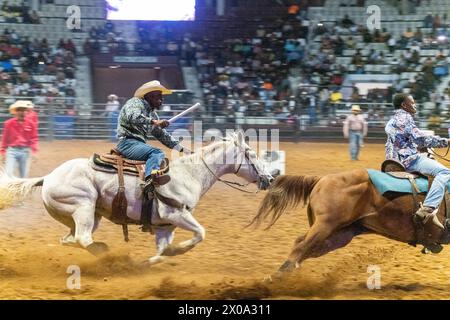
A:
[161,123]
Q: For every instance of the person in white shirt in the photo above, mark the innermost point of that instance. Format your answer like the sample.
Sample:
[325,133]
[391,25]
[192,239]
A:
[112,105]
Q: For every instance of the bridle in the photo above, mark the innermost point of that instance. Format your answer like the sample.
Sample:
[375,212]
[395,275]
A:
[233,184]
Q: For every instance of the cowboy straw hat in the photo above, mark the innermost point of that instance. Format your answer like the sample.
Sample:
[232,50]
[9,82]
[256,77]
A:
[355,107]
[20,104]
[149,87]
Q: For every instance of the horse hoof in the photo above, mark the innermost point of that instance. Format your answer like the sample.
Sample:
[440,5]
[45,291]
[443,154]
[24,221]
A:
[435,248]
[176,250]
[156,260]
[287,266]
[97,248]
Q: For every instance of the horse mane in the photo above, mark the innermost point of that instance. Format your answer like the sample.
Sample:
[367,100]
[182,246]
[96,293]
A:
[285,191]
[208,149]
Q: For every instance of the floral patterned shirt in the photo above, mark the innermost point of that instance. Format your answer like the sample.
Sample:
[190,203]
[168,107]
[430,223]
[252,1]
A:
[404,137]
[134,122]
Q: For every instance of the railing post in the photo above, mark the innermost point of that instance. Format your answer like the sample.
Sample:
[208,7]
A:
[51,124]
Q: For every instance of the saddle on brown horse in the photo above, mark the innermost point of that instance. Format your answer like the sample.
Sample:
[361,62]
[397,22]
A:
[397,170]
[114,162]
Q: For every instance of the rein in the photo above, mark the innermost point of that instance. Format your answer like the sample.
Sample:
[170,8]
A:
[231,184]
[443,157]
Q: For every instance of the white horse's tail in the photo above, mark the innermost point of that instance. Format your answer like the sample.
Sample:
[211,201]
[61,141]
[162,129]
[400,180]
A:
[14,190]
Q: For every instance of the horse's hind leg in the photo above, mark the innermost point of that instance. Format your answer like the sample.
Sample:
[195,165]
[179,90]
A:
[85,224]
[317,244]
[68,239]
[303,245]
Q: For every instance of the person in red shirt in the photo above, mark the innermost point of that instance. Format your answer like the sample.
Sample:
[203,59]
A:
[19,139]
[32,115]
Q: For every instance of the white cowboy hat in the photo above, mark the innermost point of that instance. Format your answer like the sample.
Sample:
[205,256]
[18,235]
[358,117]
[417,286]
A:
[149,87]
[20,104]
[112,96]
[355,107]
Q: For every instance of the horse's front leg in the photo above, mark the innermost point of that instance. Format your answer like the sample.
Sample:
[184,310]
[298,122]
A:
[185,220]
[163,238]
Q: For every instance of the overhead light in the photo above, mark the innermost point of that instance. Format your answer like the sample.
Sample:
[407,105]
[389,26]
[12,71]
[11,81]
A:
[114,66]
[41,62]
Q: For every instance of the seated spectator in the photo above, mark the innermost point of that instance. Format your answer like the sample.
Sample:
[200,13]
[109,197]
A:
[293,10]
[407,54]
[428,20]
[359,69]
[415,58]
[436,22]
[418,36]
[408,34]
[367,36]
[347,22]
[350,43]
[34,17]
[441,55]
[392,44]
[377,36]
[373,57]
[385,35]
[357,58]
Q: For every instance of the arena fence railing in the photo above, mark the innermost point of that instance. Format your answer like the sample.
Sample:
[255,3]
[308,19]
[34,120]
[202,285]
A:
[293,121]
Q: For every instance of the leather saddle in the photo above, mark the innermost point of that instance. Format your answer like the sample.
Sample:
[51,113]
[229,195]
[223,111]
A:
[114,162]
[397,170]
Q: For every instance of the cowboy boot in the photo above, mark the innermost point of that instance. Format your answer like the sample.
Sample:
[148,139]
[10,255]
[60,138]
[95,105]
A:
[157,177]
[427,213]
[160,176]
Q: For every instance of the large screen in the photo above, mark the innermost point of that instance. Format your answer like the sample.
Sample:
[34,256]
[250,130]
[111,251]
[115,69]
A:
[172,10]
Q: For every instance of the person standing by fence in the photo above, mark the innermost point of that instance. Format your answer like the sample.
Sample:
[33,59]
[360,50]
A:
[19,139]
[112,110]
[355,128]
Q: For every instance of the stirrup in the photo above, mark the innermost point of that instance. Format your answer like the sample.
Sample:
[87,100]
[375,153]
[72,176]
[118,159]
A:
[426,217]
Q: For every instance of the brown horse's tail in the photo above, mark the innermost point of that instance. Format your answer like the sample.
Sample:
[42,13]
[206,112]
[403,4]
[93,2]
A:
[285,191]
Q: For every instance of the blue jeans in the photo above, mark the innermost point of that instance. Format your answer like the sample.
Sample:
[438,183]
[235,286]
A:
[441,176]
[19,156]
[355,138]
[137,150]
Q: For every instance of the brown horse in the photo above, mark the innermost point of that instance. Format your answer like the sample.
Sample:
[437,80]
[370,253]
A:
[342,206]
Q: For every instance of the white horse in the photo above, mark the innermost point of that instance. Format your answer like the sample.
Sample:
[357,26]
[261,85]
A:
[78,196]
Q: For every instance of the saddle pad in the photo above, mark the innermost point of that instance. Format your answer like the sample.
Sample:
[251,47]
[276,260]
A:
[384,182]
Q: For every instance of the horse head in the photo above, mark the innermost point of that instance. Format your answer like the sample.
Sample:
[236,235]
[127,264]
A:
[249,166]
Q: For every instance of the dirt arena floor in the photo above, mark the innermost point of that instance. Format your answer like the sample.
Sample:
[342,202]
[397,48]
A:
[232,261]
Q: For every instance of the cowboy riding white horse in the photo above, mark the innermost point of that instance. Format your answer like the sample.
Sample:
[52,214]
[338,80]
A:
[78,196]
